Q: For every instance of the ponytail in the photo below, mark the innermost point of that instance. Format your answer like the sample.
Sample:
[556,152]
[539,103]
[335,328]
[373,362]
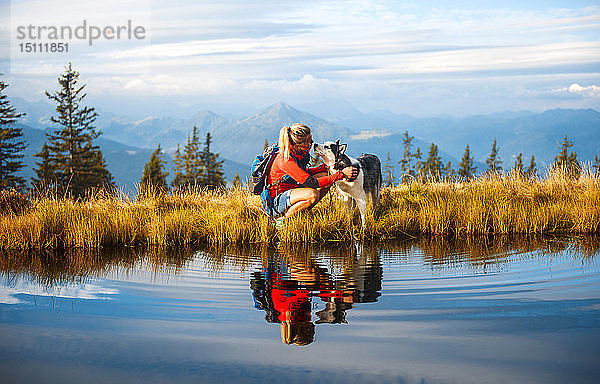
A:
[284,142]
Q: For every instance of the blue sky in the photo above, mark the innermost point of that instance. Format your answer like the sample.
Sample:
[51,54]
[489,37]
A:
[422,58]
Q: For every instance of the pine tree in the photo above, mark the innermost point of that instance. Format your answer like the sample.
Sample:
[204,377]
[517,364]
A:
[154,178]
[596,165]
[188,165]
[388,172]
[193,158]
[418,171]
[45,172]
[432,168]
[212,176]
[405,167]
[179,178]
[567,161]
[494,162]
[449,173]
[518,168]
[531,170]
[466,167]
[266,144]
[11,145]
[76,163]
[237,182]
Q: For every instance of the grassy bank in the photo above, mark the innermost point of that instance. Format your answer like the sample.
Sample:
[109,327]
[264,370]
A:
[487,205]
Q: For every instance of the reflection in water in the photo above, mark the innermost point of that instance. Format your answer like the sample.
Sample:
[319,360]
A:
[292,280]
[348,267]
[484,254]
[49,268]
[488,309]
[285,290]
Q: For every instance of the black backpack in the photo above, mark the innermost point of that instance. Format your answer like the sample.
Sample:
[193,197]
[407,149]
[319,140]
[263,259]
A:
[261,166]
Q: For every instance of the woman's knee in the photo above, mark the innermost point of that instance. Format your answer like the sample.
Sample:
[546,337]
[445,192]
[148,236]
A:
[304,194]
[313,196]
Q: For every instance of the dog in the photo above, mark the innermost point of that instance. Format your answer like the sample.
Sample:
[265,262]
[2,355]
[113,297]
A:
[368,182]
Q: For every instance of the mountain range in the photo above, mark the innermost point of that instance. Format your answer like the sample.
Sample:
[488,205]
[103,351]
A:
[127,142]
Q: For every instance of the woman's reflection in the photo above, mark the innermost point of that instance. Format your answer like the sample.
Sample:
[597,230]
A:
[285,291]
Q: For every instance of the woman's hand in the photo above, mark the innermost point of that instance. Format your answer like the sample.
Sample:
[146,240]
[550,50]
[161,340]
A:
[350,172]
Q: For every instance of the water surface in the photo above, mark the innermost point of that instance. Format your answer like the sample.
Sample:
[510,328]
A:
[487,310]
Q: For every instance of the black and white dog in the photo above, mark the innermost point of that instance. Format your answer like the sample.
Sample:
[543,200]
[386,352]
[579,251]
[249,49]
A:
[366,184]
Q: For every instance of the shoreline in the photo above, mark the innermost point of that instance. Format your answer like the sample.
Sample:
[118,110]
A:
[485,206]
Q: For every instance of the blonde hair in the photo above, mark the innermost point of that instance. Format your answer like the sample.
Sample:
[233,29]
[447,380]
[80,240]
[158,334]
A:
[288,136]
[302,333]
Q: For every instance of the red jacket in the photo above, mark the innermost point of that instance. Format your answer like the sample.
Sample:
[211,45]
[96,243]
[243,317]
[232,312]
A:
[299,174]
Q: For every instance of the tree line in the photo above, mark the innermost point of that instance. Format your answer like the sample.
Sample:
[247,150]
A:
[195,167]
[71,164]
[414,167]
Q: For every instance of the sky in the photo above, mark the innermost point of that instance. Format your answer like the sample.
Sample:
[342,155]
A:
[423,58]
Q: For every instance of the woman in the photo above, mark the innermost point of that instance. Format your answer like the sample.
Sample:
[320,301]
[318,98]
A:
[293,186]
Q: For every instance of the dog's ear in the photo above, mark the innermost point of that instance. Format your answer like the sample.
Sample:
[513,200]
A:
[341,148]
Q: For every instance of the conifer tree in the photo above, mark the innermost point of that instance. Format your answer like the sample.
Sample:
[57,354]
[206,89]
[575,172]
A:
[596,165]
[179,178]
[11,145]
[531,169]
[466,167]
[405,167]
[212,176]
[418,171]
[567,161]
[193,158]
[76,163]
[188,165]
[449,173]
[433,168]
[45,172]
[518,168]
[237,182]
[266,144]
[154,178]
[493,161]
[388,172]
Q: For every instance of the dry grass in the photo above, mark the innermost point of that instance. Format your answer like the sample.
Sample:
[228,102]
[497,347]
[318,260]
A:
[490,205]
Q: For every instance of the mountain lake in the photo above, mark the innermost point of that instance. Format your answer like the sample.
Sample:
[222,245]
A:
[425,310]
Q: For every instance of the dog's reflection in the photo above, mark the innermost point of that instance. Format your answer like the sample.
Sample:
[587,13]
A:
[289,291]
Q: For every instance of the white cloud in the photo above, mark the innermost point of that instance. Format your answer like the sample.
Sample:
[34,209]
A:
[74,291]
[384,54]
[366,135]
[589,91]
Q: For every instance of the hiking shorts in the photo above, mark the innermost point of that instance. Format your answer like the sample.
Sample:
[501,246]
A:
[281,203]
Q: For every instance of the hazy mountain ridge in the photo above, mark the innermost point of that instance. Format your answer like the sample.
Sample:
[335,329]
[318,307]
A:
[535,134]
[378,132]
[236,139]
[125,162]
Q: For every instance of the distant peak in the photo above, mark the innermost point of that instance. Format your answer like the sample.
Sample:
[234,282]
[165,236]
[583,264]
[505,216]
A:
[205,114]
[279,106]
[280,110]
